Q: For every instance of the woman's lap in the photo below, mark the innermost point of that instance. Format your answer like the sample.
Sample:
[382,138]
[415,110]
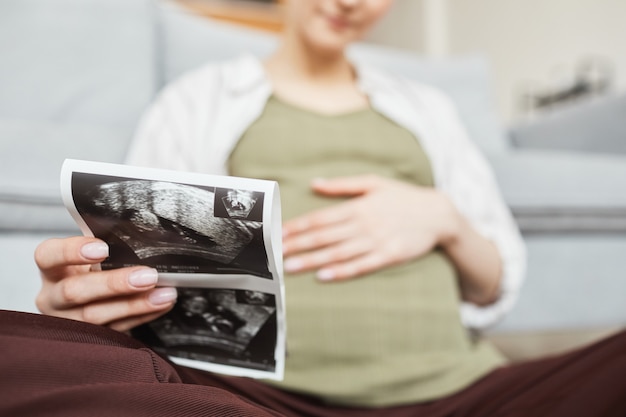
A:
[586,382]
[47,361]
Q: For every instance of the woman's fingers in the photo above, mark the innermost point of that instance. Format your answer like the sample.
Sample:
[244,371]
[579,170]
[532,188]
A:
[130,322]
[123,311]
[99,285]
[53,256]
[329,255]
[118,298]
[317,238]
[317,219]
[347,186]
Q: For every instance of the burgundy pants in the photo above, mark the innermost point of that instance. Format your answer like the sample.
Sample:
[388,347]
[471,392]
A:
[55,367]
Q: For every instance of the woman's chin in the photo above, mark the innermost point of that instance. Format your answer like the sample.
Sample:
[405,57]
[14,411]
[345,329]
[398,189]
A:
[330,46]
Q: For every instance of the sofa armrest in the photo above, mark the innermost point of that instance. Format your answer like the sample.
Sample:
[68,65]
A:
[598,126]
[563,191]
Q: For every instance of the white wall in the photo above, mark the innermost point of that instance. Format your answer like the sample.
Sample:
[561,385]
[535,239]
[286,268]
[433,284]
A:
[530,43]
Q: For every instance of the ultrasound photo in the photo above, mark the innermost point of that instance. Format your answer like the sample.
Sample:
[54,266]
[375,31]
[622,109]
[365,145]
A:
[174,227]
[217,239]
[231,327]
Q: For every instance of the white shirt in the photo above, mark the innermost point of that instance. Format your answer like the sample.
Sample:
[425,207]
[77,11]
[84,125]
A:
[197,120]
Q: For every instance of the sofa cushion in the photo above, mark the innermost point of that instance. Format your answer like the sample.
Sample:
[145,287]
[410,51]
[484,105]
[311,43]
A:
[188,41]
[31,155]
[573,281]
[98,58]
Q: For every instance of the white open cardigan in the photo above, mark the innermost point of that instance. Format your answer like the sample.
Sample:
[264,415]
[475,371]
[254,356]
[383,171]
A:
[197,120]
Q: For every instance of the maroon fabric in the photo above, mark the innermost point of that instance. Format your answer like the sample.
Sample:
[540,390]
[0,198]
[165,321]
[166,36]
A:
[57,367]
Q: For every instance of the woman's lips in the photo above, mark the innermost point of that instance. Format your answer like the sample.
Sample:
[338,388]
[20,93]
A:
[338,23]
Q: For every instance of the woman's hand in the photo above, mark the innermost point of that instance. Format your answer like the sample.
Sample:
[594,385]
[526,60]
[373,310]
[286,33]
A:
[120,298]
[385,222]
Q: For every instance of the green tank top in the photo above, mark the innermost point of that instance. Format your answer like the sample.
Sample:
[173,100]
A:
[391,337]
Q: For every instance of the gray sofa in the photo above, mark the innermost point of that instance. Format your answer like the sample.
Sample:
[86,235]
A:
[75,76]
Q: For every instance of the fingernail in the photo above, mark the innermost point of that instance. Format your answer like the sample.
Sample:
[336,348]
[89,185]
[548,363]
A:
[143,277]
[162,296]
[325,275]
[95,250]
[293,265]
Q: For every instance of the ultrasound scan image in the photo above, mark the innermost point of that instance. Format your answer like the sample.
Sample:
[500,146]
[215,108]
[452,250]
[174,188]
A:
[175,227]
[220,325]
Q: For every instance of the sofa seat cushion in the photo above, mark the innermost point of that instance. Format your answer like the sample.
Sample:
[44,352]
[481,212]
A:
[31,155]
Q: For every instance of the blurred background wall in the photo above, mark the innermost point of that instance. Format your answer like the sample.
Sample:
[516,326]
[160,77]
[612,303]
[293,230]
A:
[532,45]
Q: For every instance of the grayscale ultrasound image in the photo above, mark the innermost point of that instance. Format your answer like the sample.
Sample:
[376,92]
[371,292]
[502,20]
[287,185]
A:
[174,227]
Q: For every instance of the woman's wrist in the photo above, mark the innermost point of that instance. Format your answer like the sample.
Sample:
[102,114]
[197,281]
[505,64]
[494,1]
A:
[475,258]
[452,223]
